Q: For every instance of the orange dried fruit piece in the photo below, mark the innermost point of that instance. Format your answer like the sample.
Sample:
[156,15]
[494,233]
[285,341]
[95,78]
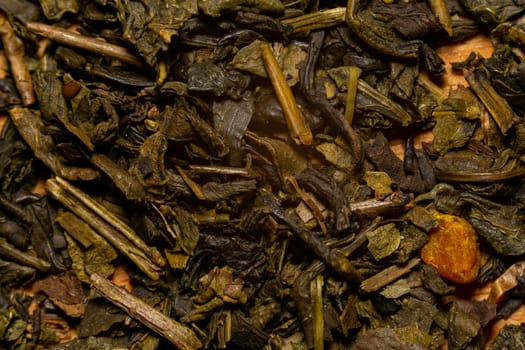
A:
[452,248]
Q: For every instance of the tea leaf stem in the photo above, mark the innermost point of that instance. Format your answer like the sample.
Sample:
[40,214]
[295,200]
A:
[351,92]
[181,336]
[10,252]
[14,49]
[83,42]
[299,130]
[113,236]
[316,295]
[387,276]
[113,220]
[317,20]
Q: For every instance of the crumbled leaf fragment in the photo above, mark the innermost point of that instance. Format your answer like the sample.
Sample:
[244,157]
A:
[383,241]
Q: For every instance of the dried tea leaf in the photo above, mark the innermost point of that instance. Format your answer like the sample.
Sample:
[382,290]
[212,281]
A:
[150,25]
[149,166]
[433,281]
[100,316]
[210,77]
[396,289]
[380,182]
[462,328]
[416,178]
[214,191]
[65,291]
[509,337]
[416,312]
[383,338]
[451,132]
[231,119]
[412,239]
[55,9]
[92,253]
[422,218]
[95,343]
[287,160]
[493,10]
[12,274]
[383,241]
[31,126]
[502,226]
[335,154]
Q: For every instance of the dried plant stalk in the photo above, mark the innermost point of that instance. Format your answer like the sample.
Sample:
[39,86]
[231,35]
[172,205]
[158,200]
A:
[317,20]
[440,9]
[387,276]
[497,106]
[351,92]
[178,334]
[217,169]
[83,42]
[195,188]
[110,218]
[316,295]
[10,252]
[14,49]
[113,236]
[299,130]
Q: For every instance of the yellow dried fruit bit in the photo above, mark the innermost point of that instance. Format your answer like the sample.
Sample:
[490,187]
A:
[453,249]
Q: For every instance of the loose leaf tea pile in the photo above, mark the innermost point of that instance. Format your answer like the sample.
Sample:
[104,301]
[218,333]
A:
[219,174]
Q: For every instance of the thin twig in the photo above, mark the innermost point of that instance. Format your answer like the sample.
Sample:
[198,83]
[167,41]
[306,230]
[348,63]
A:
[113,220]
[351,92]
[440,10]
[113,236]
[10,252]
[14,49]
[195,188]
[83,42]
[181,336]
[317,20]
[299,130]
[387,276]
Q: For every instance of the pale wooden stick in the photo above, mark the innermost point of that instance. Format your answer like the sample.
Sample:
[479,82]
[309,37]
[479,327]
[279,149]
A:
[351,92]
[299,130]
[388,275]
[113,220]
[317,20]
[113,236]
[14,49]
[83,42]
[180,335]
